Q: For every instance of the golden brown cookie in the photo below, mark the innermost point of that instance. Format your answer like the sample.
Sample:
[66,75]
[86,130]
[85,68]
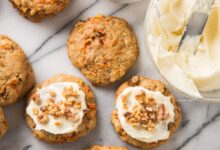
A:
[103,48]
[16,74]
[150,113]
[97,147]
[37,10]
[3,123]
[58,112]
[30,80]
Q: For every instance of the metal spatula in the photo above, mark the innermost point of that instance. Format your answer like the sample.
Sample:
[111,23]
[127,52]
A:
[195,26]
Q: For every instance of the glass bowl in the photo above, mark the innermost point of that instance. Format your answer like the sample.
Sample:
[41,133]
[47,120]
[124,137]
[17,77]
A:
[208,96]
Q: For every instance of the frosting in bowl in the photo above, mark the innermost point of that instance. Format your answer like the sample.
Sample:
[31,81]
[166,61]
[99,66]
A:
[58,108]
[144,115]
[188,72]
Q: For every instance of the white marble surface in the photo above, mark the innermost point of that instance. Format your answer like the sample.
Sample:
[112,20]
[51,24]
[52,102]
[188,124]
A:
[45,44]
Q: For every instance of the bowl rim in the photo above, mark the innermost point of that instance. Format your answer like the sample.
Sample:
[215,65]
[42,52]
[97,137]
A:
[163,78]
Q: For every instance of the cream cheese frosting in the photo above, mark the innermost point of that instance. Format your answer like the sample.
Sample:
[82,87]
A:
[161,131]
[189,73]
[60,124]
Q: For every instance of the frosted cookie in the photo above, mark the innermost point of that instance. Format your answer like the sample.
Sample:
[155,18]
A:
[103,48]
[3,123]
[16,74]
[146,113]
[97,147]
[61,109]
[37,10]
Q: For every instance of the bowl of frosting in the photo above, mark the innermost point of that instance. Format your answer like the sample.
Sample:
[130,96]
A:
[194,75]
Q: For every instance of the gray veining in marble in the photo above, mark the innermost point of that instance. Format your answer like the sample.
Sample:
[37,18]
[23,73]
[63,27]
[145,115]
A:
[45,46]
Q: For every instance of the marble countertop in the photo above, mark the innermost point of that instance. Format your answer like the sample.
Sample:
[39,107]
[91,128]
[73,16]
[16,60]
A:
[45,46]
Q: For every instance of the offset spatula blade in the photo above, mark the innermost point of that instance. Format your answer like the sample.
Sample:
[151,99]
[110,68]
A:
[195,26]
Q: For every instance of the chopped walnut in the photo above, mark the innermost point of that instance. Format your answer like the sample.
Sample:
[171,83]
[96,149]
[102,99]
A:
[71,99]
[50,101]
[42,118]
[72,116]
[43,108]
[58,124]
[125,100]
[151,126]
[69,92]
[52,93]
[141,97]
[147,114]
[36,98]
[64,108]
[78,105]
[162,115]
[127,114]
[69,103]
[35,111]
[134,121]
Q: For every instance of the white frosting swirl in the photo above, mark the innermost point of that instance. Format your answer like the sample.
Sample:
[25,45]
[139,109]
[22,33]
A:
[67,125]
[141,134]
[188,72]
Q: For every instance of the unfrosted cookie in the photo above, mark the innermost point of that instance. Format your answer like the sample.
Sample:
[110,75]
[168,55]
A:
[3,123]
[146,113]
[37,10]
[103,48]
[98,147]
[16,74]
[61,109]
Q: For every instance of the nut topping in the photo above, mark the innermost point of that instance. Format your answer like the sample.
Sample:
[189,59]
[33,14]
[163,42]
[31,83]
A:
[77,105]
[69,92]
[52,93]
[35,111]
[43,108]
[58,124]
[125,100]
[146,114]
[36,99]
[162,115]
[72,116]
[42,118]
[58,108]
[49,101]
